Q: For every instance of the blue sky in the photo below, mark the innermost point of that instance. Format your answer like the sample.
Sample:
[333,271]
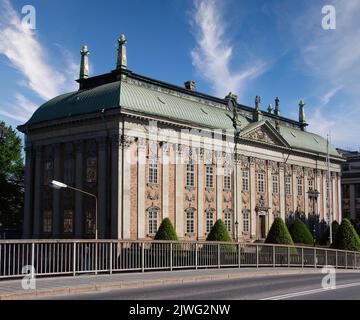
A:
[251,47]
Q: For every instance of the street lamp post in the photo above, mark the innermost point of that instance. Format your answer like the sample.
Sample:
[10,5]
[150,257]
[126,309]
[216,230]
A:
[59,185]
[236,230]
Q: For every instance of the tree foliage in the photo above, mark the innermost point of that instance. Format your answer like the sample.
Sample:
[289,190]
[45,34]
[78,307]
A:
[11,178]
[166,231]
[300,233]
[346,237]
[279,233]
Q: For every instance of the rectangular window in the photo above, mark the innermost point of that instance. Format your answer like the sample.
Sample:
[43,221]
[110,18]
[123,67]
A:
[261,182]
[153,217]
[288,185]
[311,184]
[153,171]
[209,176]
[68,221]
[300,186]
[246,220]
[227,179]
[275,184]
[91,170]
[190,174]
[47,221]
[209,220]
[89,223]
[190,217]
[245,180]
[228,220]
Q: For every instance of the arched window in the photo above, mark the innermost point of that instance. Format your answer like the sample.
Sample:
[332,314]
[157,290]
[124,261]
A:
[228,219]
[190,220]
[153,213]
[209,219]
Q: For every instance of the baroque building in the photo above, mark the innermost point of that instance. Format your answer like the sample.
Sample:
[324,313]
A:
[150,150]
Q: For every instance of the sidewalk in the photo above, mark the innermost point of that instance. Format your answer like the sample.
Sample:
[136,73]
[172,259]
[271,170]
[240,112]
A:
[12,289]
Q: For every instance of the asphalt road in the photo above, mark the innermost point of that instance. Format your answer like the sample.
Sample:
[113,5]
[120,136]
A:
[283,287]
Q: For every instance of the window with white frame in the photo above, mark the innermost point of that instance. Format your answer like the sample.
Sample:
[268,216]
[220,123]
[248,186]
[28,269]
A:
[47,221]
[190,220]
[300,186]
[261,182]
[311,184]
[246,220]
[209,176]
[153,220]
[209,219]
[190,174]
[275,184]
[227,178]
[245,180]
[288,185]
[228,215]
[153,170]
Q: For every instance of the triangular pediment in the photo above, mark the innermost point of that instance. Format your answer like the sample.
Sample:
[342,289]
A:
[263,132]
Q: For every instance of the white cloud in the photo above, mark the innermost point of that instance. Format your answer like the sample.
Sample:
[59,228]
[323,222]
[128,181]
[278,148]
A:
[213,54]
[326,98]
[29,57]
[21,109]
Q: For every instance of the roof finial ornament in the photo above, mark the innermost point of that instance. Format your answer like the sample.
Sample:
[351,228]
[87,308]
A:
[270,108]
[84,65]
[302,118]
[257,115]
[257,103]
[122,59]
[232,106]
[277,106]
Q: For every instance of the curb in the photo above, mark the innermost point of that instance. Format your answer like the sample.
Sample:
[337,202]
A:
[83,289]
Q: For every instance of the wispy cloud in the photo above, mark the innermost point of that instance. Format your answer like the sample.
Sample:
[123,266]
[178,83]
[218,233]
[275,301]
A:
[330,94]
[21,109]
[213,53]
[29,57]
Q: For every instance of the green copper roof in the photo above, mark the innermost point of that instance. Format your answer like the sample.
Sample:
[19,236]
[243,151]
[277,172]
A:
[150,102]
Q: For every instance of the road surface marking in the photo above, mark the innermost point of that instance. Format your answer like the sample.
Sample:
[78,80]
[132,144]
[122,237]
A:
[308,292]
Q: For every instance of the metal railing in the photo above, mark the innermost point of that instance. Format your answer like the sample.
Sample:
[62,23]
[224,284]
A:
[72,257]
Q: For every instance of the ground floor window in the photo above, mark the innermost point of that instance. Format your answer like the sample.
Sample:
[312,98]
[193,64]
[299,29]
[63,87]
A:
[209,219]
[190,220]
[90,223]
[153,215]
[228,214]
[47,221]
[68,221]
[246,220]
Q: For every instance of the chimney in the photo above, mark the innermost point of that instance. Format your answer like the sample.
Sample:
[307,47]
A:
[122,59]
[84,65]
[190,85]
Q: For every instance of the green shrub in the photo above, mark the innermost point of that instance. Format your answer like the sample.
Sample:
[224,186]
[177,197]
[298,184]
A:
[325,236]
[300,233]
[346,237]
[166,231]
[279,233]
[219,232]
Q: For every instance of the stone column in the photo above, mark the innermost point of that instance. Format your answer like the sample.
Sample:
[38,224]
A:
[282,191]
[253,215]
[165,179]
[219,186]
[79,183]
[270,217]
[56,193]
[126,205]
[179,193]
[116,186]
[37,193]
[102,192]
[29,176]
[295,190]
[238,198]
[141,187]
[333,196]
[352,201]
[306,196]
[200,196]
[339,216]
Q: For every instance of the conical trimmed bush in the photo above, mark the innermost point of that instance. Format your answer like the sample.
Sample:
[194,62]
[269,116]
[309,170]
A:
[300,233]
[166,231]
[346,237]
[279,233]
[219,232]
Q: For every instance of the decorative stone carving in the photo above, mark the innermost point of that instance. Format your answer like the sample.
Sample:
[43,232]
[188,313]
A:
[288,169]
[299,171]
[259,135]
[245,162]
[165,147]
[227,197]
[260,165]
[209,197]
[189,196]
[274,167]
[152,193]
[141,143]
